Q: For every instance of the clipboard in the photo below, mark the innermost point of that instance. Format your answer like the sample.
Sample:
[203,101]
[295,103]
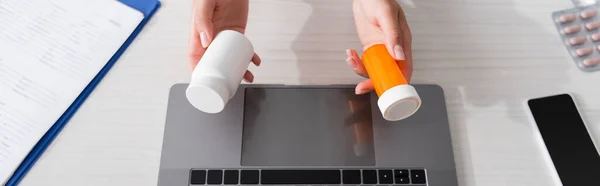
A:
[148,8]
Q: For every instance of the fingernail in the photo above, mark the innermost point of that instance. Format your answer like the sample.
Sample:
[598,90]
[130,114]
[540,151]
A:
[399,52]
[358,91]
[351,63]
[348,52]
[204,39]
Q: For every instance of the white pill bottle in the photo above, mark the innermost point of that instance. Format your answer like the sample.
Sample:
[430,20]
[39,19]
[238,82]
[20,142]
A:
[219,72]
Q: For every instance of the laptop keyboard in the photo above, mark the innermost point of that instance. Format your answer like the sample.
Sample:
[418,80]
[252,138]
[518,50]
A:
[308,177]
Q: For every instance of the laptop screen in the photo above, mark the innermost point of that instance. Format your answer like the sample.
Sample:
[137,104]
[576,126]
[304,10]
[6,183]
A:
[307,127]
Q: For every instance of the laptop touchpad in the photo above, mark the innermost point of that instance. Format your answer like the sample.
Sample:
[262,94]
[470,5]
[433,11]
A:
[307,127]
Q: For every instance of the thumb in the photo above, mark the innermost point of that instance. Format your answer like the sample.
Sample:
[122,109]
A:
[390,27]
[203,14]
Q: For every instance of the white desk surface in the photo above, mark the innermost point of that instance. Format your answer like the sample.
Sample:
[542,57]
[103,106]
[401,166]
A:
[490,56]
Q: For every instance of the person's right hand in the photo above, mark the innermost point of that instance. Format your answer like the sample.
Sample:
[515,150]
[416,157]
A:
[209,17]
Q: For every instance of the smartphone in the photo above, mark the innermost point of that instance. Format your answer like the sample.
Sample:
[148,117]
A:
[567,140]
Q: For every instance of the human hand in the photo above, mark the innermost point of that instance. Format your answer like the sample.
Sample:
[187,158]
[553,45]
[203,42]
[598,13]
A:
[209,17]
[380,21]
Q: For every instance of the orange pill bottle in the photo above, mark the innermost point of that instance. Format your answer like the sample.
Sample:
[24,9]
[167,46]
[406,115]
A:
[397,99]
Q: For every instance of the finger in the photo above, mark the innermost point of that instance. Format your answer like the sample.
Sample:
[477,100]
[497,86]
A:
[349,53]
[350,60]
[256,59]
[364,87]
[203,14]
[351,63]
[356,63]
[196,50]
[407,65]
[248,77]
[354,55]
[390,26]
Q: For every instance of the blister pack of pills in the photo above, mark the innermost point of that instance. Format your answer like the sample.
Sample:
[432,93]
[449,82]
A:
[579,29]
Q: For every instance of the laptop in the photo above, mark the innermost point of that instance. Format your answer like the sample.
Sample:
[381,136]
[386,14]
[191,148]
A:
[306,135]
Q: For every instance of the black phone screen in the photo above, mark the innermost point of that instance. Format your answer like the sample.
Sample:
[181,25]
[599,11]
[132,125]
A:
[568,142]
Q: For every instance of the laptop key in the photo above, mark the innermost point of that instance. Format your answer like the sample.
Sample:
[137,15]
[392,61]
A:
[231,177]
[401,176]
[418,176]
[402,180]
[386,177]
[270,177]
[369,176]
[351,176]
[197,177]
[249,176]
[402,173]
[214,177]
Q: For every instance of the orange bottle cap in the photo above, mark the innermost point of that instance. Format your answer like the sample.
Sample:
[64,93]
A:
[399,102]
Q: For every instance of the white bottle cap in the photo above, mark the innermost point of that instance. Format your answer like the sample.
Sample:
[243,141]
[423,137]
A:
[399,102]
[208,94]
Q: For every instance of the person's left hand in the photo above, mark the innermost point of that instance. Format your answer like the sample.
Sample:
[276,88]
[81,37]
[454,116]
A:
[380,21]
